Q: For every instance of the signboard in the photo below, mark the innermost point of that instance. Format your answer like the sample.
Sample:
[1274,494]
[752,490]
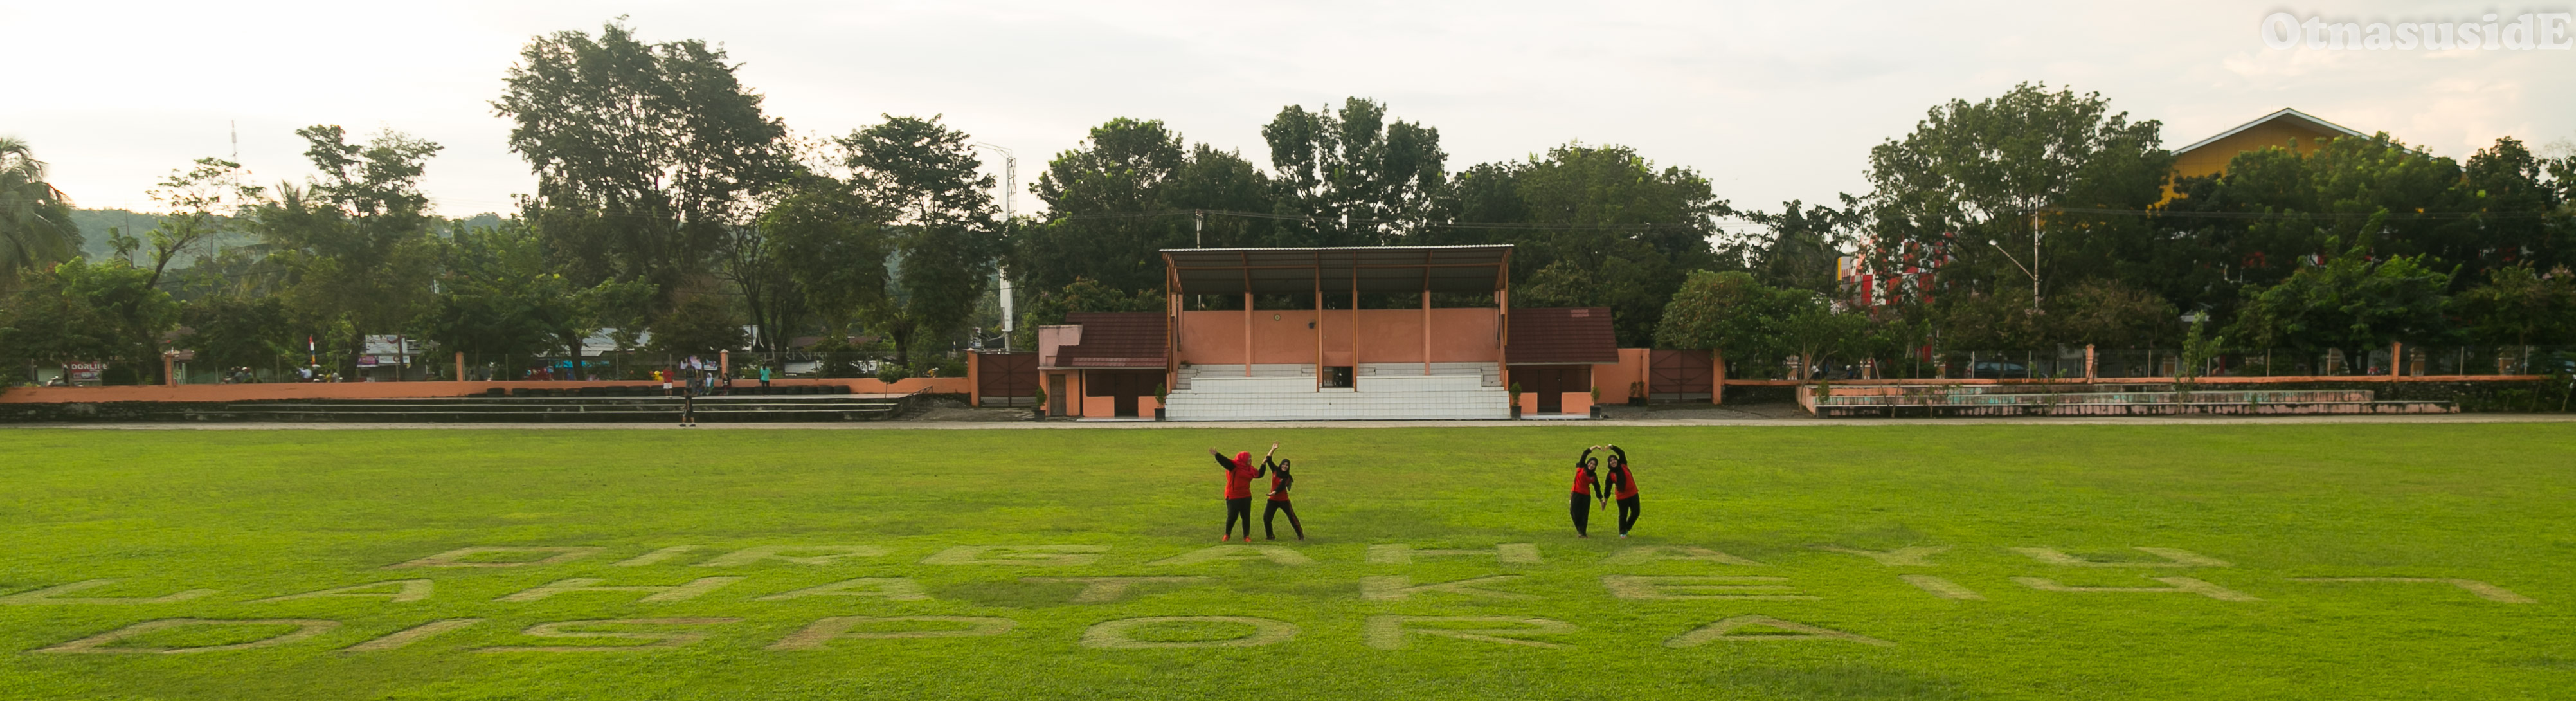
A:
[82,372]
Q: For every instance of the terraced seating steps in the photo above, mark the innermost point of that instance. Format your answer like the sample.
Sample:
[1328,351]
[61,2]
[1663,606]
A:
[2040,399]
[558,409]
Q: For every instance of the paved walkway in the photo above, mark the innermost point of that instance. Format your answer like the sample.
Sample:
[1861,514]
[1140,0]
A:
[1155,425]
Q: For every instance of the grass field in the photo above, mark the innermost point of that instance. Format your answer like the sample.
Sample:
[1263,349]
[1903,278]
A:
[895,564]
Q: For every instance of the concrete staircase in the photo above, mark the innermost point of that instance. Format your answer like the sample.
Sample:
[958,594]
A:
[1849,401]
[1385,392]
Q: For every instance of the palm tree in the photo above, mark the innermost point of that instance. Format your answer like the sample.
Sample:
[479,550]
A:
[35,219]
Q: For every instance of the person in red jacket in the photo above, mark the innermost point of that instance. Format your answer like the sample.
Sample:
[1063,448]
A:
[1625,485]
[1587,482]
[1280,481]
[1239,474]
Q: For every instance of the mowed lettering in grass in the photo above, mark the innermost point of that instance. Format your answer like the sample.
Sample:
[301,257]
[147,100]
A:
[1386,632]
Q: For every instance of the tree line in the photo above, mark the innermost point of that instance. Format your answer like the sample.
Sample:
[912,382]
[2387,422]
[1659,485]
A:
[672,213]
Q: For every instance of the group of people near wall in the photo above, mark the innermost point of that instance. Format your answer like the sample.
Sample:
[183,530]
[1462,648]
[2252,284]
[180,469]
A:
[1593,482]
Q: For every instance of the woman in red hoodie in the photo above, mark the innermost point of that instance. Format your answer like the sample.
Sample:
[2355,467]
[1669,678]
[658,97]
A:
[1239,474]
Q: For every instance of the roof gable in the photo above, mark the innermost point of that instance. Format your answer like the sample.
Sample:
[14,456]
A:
[2301,118]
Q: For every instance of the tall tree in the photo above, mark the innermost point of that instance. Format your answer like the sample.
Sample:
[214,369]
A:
[355,241]
[81,311]
[1971,173]
[922,178]
[646,155]
[1354,178]
[1113,203]
[204,202]
[499,296]
[35,218]
[1607,228]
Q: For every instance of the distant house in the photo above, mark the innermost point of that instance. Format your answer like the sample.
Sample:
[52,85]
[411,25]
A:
[2287,127]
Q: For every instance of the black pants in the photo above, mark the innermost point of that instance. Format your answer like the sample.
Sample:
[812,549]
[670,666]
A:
[1271,512]
[1582,510]
[1627,514]
[1238,509]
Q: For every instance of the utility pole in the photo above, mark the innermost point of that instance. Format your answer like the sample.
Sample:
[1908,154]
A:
[1198,228]
[1010,193]
[236,127]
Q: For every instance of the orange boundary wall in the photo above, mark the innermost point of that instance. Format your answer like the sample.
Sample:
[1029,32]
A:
[2278,379]
[410,390]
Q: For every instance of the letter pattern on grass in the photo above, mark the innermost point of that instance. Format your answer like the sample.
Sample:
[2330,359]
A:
[1659,553]
[54,595]
[1391,632]
[1400,587]
[662,640]
[1027,555]
[888,588]
[1917,556]
[2175,557]
[1401,554]
[1219,553]
[1726,630]
[821,632]
[654,558]
[818,554]
[2173,585]
[1943,588]
[1643,588]
[2484,590]
[1101,590]
[414,634]
[660,593]
[1118,634]
[97,644]
[403,590]
[456,558]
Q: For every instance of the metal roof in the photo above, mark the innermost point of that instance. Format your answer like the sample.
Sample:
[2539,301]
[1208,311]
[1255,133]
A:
[1117,340]
[2286,113]
[1563,336]
[1371,268]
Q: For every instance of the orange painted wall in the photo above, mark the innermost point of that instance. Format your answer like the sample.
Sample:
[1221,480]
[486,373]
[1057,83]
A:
[408,390]
[1614,378]
[1386,336]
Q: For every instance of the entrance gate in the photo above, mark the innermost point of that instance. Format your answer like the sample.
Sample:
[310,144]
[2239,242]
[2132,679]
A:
[1678,375]
[1006,379]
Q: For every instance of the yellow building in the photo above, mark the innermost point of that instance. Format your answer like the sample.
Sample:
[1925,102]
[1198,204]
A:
[2284,128]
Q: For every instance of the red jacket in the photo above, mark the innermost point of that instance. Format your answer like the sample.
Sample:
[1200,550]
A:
[1239,474]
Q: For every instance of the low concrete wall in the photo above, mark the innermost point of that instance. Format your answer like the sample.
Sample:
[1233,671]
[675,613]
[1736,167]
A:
[411,390]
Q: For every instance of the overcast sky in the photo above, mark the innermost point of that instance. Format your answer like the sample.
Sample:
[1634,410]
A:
[1771,101]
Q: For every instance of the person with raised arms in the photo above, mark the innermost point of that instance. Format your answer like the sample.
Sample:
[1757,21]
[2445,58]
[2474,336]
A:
[1280,481]
[1239,474]
[1587,482]
[1624,484]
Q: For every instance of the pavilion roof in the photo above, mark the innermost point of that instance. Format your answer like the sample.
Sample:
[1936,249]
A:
[1369,268]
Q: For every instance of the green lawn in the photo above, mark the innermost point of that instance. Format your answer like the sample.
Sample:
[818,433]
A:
[2240,514]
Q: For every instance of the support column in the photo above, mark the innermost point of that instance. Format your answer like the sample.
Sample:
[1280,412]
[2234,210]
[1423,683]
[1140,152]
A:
[2088,364]
[460,366]
[1319,333]
[1716,380]
[1247,332]
[1426,331]
[2396,359]
[169,378]
[974,375]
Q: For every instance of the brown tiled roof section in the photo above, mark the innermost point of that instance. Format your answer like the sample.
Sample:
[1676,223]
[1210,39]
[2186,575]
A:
[1562,335]
[1116,340]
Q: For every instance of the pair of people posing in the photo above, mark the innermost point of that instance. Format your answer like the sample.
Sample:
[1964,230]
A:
[1615,483]
[1239,474]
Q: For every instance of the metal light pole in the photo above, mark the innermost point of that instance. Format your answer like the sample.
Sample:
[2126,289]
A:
[1010,192]
[2033,269]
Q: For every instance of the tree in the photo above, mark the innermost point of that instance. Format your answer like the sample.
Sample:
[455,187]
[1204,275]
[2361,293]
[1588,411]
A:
[2350,302]
[1806,243]
[81,311]
[1608,229]
[2518,307]
[239,330]
[1117,200]
[700,325]
[1350,176]
[1731,313]
[645,154]
[833,248]
[1977,172]
[35,218]
[2107,313]
[498,296]
[356,241]
[920,176]
[204,202]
